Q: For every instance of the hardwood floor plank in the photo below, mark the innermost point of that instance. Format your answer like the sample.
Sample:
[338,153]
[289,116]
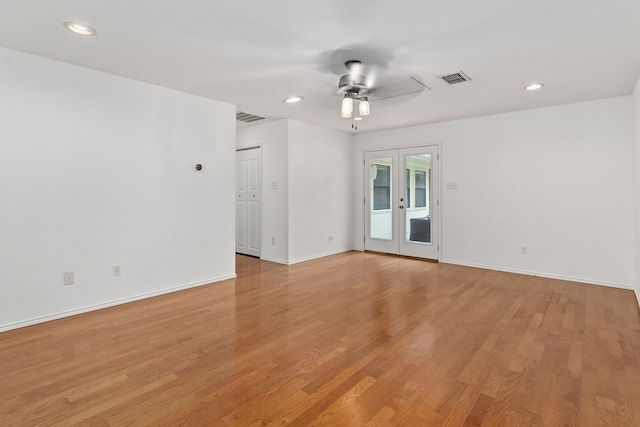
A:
[479,411]
[354,339]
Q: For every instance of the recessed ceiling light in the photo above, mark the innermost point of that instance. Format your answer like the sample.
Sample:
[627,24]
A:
[294,99]
[534,86]
[357,118]
[82,29]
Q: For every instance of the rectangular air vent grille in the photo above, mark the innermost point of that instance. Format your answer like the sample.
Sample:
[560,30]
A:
[247,118]
[454,78]
[396,88]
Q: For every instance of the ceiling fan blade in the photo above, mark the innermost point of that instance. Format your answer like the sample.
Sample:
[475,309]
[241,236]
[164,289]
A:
[396,88]
[373,60]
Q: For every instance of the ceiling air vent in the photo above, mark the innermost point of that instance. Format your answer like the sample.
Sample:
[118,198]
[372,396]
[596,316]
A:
[454,78]
[396,88]
[247,118]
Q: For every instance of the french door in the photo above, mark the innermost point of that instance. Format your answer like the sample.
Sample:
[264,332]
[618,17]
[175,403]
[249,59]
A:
[248,186]
[401,201]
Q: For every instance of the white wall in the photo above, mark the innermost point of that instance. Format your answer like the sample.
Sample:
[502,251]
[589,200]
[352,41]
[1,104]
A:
[96,170]
[273,139]
[320,191]
[636,187]
[312,167]
[557,180]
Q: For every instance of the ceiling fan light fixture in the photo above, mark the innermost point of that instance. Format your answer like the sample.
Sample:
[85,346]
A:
[81,29]
[347,106]
[364,108]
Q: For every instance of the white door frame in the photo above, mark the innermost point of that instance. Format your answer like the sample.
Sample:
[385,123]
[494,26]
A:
[250,196]
[395,243]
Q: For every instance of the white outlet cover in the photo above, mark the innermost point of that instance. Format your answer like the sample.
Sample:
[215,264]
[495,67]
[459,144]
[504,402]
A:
[69,277]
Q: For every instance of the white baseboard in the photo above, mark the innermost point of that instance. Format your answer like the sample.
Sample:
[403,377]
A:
[539,274]
[276,260]
[112,303]
[337,251]
[296,261]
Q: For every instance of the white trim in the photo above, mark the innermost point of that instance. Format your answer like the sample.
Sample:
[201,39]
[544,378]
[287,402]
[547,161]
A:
[278,261]
[42,319]
[260,200]
[439,202]
[543,275]
[252,147]
[337,251]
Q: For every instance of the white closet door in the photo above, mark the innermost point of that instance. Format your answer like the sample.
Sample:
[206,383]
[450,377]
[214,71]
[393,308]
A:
[248,196]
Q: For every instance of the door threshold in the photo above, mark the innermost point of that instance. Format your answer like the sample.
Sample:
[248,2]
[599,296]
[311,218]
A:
[402,256]
[252,256]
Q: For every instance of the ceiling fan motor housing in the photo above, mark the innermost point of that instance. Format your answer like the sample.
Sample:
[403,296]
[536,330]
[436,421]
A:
[354,84]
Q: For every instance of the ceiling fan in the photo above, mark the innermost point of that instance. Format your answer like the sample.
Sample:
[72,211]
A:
[355,86]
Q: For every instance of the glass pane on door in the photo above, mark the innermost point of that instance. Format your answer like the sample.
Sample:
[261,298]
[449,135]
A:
[418,198]
[381,194]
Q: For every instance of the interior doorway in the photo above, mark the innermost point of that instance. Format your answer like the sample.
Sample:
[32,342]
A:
[402,201]
[248,200]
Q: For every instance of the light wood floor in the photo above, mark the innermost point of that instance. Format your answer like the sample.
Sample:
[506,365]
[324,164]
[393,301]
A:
[355,339]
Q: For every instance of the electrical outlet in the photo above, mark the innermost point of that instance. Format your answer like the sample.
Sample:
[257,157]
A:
[331,236]
[69,277]
[273,241]
[116,270]
[524,250]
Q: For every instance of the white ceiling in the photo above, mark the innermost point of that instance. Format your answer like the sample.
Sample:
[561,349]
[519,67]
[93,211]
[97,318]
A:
[255,53]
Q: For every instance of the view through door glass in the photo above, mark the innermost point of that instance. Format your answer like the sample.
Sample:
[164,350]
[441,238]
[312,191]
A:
[417,198]
[381,219]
